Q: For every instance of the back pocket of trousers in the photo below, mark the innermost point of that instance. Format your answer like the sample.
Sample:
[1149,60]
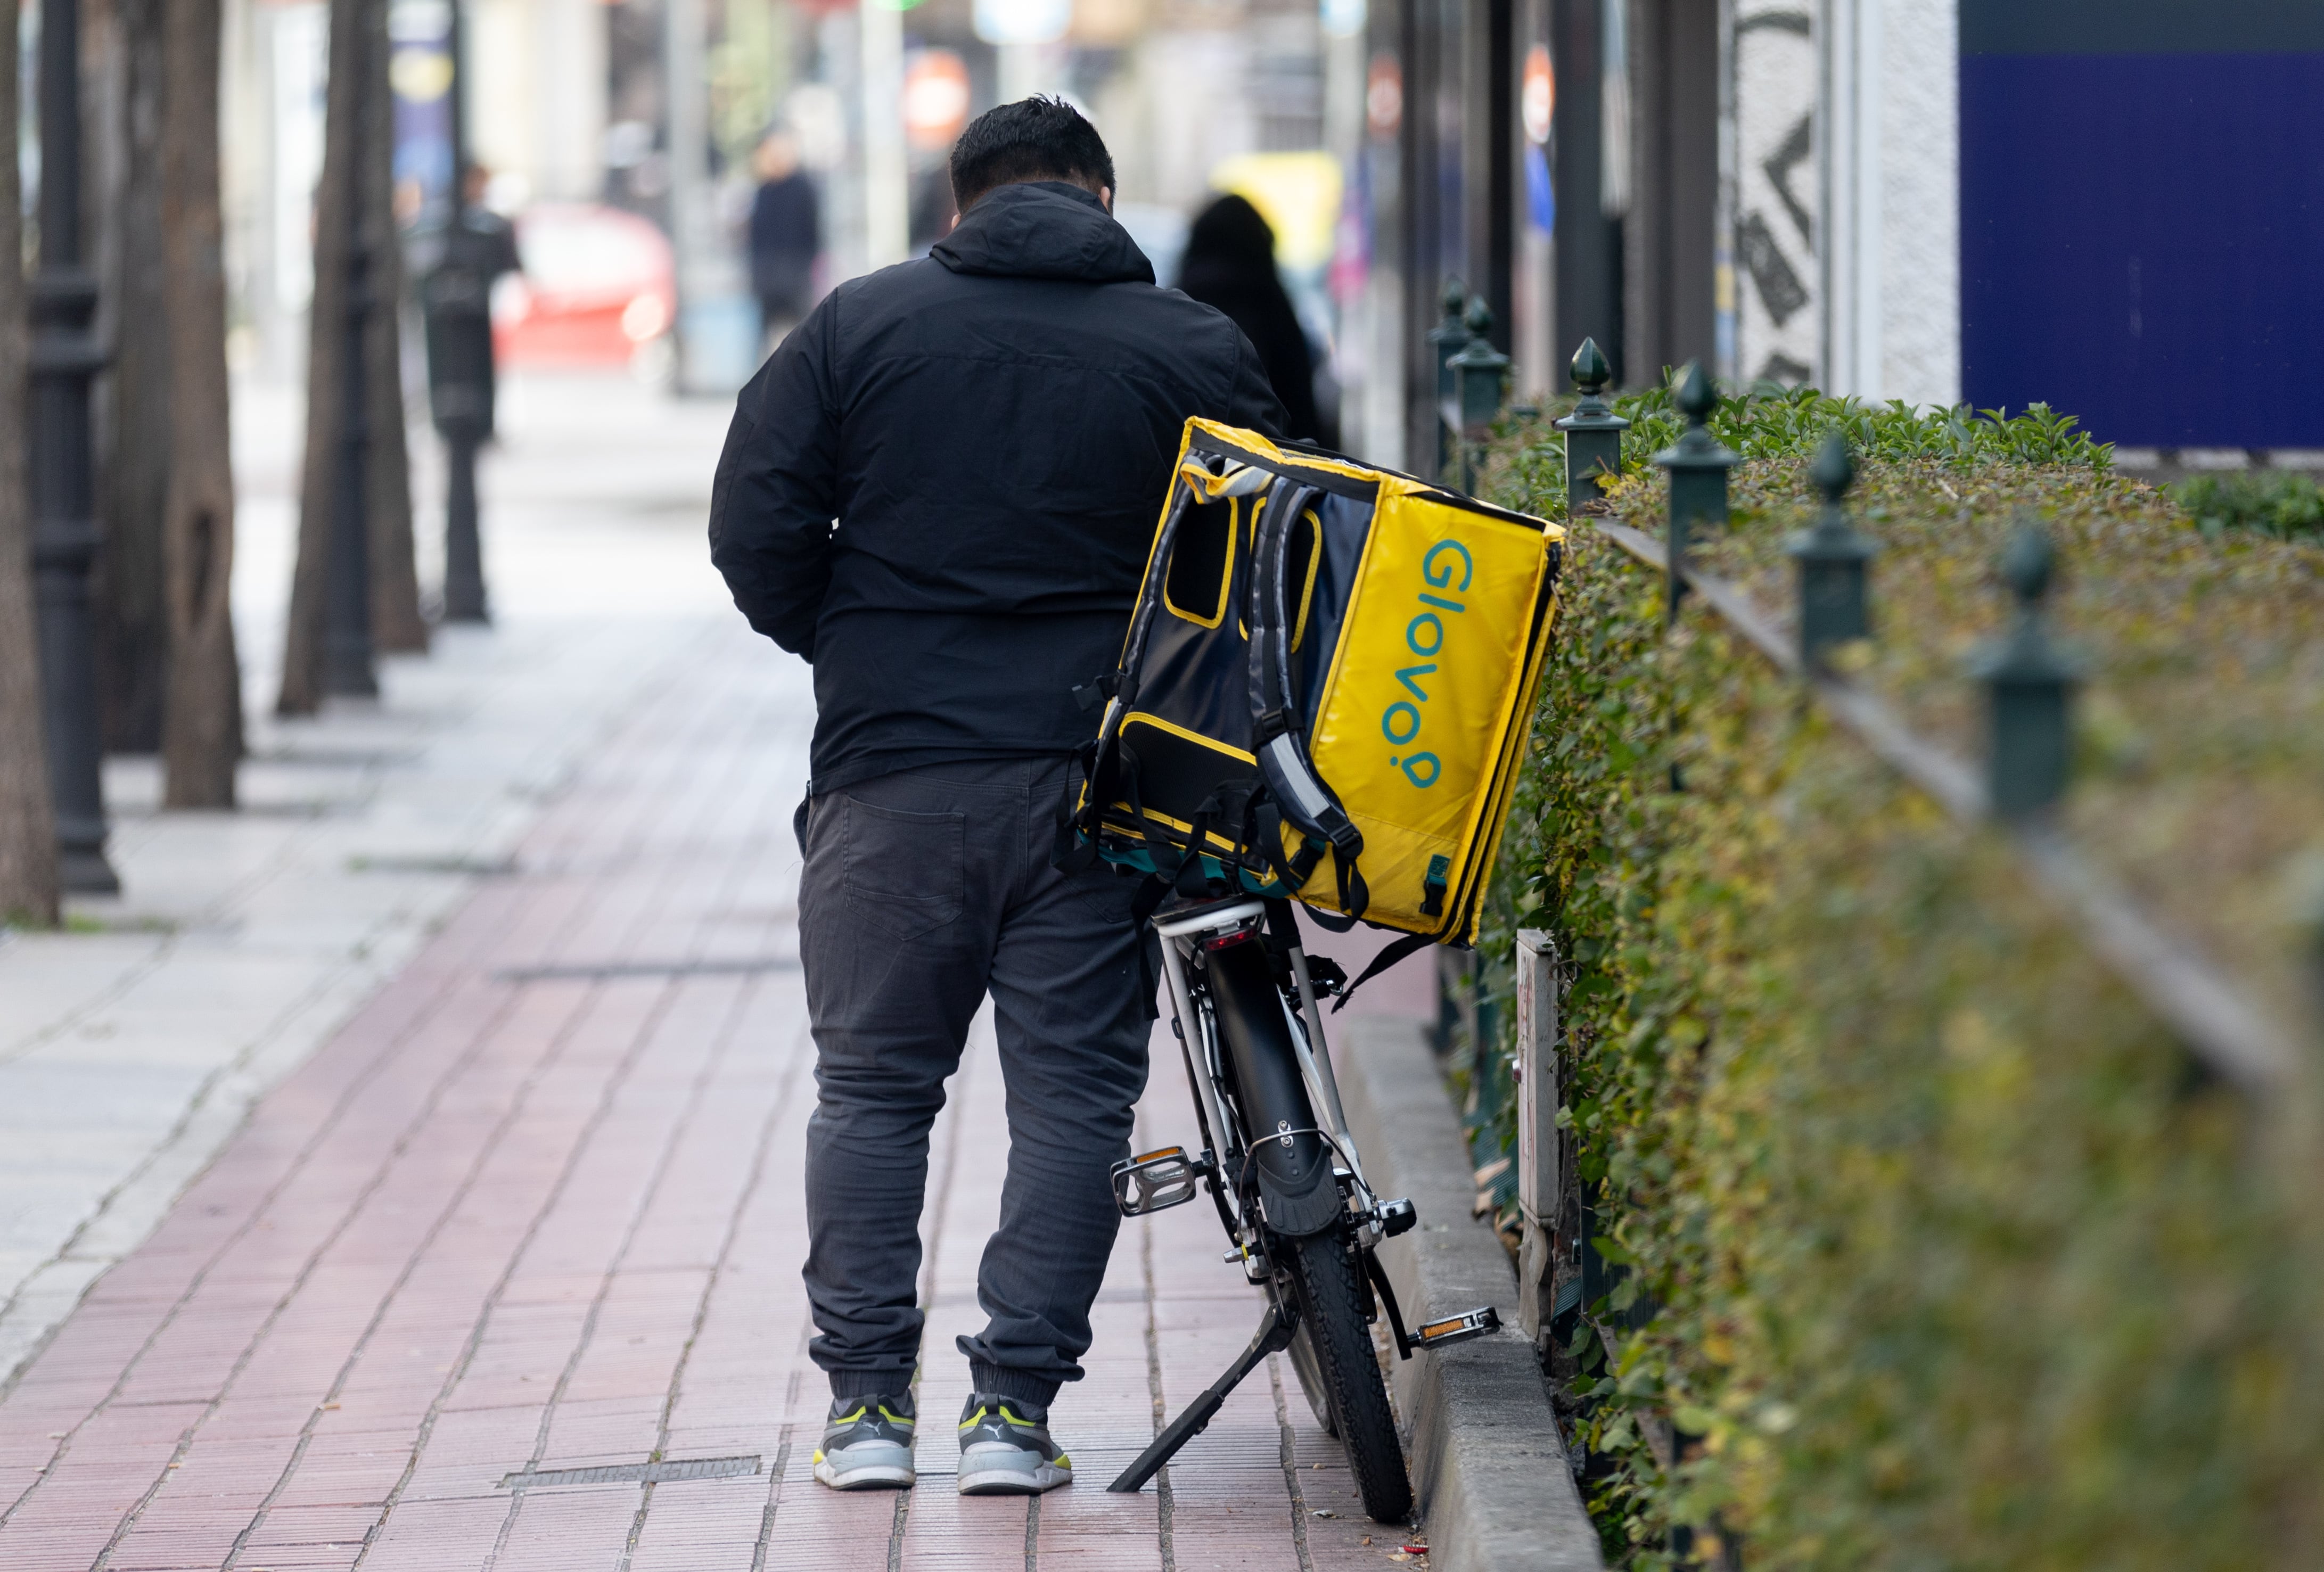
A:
[903,871]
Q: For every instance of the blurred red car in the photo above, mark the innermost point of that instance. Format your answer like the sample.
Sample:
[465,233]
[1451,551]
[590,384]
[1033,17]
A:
[598,286]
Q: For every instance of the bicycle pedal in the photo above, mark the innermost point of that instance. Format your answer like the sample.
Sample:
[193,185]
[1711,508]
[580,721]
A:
[1154,1182]
[1460,1329]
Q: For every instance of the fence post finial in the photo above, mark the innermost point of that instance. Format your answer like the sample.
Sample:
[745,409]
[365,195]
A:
[1833,560]
[1698,467]
[1593,432]
[2029,686]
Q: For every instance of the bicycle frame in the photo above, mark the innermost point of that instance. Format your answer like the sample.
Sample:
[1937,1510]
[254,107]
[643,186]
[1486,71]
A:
[1228,1166]
[1195,1023]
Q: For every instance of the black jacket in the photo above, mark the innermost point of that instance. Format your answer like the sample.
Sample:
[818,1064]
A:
[1229,264]
[942,488]
[1265,313]
[786,235]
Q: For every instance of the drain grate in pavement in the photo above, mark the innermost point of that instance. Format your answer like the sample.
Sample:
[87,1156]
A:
[596,971]
[633,1473]
[475,867]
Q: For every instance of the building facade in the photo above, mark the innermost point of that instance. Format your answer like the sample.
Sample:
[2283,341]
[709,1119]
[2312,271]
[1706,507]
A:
[2109,205]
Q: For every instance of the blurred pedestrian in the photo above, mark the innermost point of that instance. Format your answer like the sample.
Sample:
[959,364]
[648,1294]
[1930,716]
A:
[940,490]
[457,264]
[1230,264]
[786,236]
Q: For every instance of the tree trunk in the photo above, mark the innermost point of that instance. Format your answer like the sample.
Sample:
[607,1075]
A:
[335,212]
[121,87]
[302,641]
[201,728]
[396,624]
[28,827]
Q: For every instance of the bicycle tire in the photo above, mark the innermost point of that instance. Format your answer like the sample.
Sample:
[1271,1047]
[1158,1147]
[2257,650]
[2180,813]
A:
[1331,1295]
[1311,1382]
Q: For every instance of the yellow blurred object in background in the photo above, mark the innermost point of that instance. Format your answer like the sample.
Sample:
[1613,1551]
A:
[1298,195]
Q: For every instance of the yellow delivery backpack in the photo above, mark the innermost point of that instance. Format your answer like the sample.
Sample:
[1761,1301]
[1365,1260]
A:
[1325,689]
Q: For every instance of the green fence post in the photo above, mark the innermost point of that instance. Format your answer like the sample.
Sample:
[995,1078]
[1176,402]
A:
[1593,432]
[1480,377]
[1832,559]
[2029,686]
[1698,467]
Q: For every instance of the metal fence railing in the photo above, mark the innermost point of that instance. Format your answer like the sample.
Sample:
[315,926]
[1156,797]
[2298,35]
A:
[2028,688]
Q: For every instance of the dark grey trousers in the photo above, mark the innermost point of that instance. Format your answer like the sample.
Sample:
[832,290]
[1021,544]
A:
[923,891]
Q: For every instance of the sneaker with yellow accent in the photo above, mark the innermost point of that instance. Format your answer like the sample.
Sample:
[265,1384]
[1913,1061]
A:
[867,1444]
[1005,1449]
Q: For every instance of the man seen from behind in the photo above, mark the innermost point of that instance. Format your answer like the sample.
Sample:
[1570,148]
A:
[940,491]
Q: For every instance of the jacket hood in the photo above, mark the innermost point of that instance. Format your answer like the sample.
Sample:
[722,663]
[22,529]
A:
[1043,229]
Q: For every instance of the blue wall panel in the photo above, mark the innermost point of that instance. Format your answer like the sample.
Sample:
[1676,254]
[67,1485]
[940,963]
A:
[2142,240]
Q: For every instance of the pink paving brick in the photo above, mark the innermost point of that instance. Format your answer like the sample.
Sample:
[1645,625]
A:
[498,1225]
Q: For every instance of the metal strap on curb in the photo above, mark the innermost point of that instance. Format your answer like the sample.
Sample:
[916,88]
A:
[2241,1044]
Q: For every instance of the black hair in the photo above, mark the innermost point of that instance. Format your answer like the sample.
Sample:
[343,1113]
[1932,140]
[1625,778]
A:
[1233,233]
[1033,139]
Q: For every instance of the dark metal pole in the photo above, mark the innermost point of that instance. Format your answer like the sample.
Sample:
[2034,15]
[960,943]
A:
[464,432]
[464,551]
[1445,340]
[347,627]
[455,44]
[65,358]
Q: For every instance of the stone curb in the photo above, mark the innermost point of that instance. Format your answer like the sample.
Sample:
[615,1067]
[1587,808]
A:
[1487,1466]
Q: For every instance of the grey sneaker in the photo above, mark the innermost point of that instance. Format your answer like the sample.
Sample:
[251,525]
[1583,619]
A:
[1005,1449]
[867,1444]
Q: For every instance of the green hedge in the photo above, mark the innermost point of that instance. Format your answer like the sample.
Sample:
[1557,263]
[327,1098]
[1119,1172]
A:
[2287,506]
[1935,1243]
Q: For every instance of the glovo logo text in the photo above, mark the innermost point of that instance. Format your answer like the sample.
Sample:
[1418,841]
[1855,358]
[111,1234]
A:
[1403,721]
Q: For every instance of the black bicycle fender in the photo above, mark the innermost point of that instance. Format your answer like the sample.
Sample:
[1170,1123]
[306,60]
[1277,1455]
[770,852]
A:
[1311,1209]
[1296,1190]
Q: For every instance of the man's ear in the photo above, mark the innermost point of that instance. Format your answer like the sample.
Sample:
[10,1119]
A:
[1105,198]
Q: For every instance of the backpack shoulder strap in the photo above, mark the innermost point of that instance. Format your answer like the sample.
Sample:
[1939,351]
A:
[1306,799]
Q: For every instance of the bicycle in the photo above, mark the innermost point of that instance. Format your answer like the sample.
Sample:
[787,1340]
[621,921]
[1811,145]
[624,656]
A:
[1280,1164]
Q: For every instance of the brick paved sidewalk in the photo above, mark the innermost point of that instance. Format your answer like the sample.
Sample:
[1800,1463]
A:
[536,1208]
[134,1042]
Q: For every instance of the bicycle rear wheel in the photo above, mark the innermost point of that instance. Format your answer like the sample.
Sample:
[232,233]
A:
[1331,1295]
[1310,1371]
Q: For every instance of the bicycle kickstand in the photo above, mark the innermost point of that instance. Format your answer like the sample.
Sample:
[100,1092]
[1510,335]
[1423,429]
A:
[1273,1334]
